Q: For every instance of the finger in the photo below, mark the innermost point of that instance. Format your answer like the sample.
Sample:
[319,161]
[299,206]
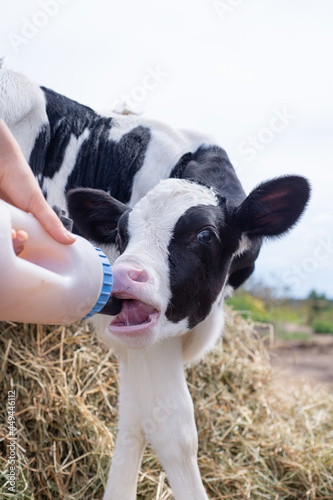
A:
[21,235]
[19,238]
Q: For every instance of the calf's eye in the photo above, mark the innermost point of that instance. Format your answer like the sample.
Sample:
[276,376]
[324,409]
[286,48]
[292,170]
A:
[205,237]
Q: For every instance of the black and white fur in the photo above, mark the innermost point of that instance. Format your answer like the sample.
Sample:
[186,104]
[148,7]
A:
[170,212]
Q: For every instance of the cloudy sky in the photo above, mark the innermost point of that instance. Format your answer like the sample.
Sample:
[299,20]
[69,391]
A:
[255,74]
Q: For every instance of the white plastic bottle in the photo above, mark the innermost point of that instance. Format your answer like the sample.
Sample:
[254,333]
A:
[49,283]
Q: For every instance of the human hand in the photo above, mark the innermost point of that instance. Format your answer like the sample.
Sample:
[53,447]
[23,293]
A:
[19,187]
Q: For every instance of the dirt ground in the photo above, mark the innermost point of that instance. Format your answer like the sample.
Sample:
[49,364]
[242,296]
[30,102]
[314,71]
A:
[310,361]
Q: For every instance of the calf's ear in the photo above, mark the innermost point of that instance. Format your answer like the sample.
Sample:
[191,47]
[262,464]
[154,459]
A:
[274,206]
[95,214]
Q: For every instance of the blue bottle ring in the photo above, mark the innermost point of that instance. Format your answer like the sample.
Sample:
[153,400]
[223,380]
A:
[107,285]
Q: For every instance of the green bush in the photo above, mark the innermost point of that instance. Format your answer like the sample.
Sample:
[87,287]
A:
[322,325]
[253,307]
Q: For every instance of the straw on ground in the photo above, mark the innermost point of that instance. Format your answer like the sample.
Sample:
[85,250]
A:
[257,440]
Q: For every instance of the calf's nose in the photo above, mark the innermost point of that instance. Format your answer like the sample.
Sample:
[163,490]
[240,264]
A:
[126,279]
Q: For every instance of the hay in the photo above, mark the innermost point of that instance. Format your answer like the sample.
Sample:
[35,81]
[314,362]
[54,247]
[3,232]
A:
[257,440]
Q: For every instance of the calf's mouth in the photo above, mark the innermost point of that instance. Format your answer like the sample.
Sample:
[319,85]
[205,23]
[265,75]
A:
[131,314]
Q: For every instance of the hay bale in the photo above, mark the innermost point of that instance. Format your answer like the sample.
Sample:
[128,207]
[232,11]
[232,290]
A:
[256,439]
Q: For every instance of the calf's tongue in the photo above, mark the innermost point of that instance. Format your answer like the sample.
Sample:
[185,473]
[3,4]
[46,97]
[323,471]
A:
[133,312]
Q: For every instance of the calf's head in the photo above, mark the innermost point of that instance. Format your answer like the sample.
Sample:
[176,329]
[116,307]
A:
[177,249]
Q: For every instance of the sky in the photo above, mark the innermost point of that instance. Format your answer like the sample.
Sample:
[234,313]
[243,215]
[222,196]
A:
[256,75]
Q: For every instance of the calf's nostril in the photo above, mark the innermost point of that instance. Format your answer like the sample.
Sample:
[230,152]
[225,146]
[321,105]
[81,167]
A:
[138,275]
[143,277]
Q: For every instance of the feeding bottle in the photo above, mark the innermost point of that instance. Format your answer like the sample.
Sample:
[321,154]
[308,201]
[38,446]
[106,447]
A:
[49,283]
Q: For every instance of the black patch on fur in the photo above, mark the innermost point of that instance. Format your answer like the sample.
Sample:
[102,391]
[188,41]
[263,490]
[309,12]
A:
[101,163]
[198,270]
[65,117]
[109,165]
[210,166]
[38,153]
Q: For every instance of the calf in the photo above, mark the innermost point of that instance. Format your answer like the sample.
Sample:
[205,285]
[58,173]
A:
[170,212]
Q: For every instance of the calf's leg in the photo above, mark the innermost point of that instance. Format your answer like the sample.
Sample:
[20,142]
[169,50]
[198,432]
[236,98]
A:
[155,406]
[129,447]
